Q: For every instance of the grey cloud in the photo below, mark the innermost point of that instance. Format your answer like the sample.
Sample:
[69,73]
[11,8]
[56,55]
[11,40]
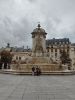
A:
[18,18]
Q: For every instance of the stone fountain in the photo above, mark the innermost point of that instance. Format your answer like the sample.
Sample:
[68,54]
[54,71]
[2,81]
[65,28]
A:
[39,56]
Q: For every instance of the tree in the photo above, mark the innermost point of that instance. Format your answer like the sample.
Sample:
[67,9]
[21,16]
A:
[65,57]
[6,58]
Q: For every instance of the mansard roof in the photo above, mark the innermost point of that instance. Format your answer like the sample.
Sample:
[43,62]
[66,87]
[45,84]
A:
[57,41]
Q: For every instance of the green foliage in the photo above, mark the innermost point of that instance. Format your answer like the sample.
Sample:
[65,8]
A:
[6,56]
[65,57]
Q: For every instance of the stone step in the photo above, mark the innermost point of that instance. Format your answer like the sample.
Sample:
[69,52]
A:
[43,73]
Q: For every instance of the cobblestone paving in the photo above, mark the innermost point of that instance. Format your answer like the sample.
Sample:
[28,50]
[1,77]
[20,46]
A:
[16,87]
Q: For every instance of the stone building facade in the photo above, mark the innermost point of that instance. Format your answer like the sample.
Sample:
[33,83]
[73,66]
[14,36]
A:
[55,46]
[72,55]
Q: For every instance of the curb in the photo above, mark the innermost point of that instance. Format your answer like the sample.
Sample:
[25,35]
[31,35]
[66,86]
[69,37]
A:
[14,72]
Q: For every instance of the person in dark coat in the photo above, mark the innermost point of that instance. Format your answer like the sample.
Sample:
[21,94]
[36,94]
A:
[38,71]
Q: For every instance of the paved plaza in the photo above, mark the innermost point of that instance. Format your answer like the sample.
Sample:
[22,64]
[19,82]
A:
[16,87]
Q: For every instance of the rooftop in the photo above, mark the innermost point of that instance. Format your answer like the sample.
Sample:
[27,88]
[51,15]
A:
[57,41]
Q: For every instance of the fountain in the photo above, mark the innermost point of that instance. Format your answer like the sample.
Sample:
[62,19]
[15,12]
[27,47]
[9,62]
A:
[39,56]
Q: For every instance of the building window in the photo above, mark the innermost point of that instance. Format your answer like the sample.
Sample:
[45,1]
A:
[67,50]
[51,49]
[61,51]
[55,54]
[19,58]
[55,50]
[47,49]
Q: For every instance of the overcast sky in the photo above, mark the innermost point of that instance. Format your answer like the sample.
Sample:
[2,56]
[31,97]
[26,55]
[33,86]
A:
[18,18]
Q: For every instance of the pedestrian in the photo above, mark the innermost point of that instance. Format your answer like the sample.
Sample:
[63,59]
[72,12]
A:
[33,70]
